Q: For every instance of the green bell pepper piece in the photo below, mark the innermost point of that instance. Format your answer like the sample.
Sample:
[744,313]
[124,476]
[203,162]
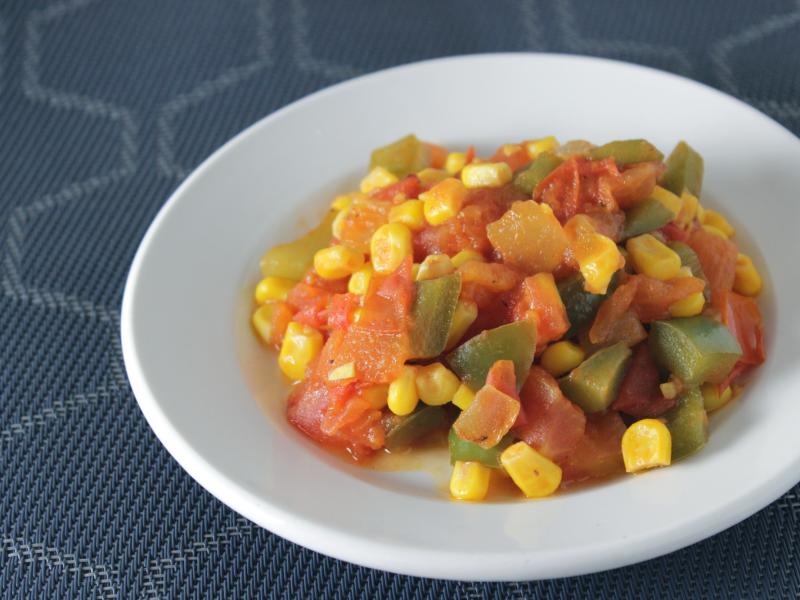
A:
[469,451]
[516,342]
[684,170]
[540,168]
[434,305]
[594,384]
[416,426]
[581,305]
[646,217]
[294,259]
[627,152]
[404,156]
[695,349]
[690,259]
[688,424]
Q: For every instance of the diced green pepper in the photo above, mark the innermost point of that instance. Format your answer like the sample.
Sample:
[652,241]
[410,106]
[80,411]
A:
[294,259]
[434,305]
[470,452]
[695,349]
[594,384]
[540,168]
[416,426]
[627,152]
[646,217]
[690,259]
[581,305]
[684,170]
[687,424]
[404,156]
[516,342]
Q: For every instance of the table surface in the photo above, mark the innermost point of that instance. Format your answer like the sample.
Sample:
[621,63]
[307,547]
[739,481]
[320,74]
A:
[105,106]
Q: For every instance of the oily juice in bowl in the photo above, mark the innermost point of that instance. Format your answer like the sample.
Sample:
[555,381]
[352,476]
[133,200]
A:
[560,313]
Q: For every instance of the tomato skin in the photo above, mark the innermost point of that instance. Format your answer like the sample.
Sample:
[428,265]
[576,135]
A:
[503,377]
[577,185]
[537,299]
[742,316]
[639,394]
[672,232]
[437,155]
[409,187]
[636,183]
[718,259]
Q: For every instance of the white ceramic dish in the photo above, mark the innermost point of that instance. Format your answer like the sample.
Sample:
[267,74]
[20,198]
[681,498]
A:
[214,397]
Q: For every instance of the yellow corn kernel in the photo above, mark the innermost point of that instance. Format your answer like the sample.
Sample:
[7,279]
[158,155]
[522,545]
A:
[653,258]
[715,219]
[469,481]
[435,265]
[747,280]
[443,201]
[390,245]
[464,316]
[410,213]
[545,144]
[262,322]
[646,444]
[337,226]
[436,384]
[359,281]
[455,162]
[301,345]
[668,199]
[688,307]
[402,395]
[376,395]
[432,176]
[562,357]
[463,397]
[345,371]
[336,262]
[598,266]
[483,175]
[377,178]
[534,474]
[465,256]
[668,389]
[273,288]
[716,231]
[342,202]
[713,399]
[690,206]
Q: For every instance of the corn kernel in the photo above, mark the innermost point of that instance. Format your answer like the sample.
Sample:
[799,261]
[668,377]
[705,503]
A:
[436,384]
[482,175]
[747,280]
[345,371]
[443,201]
[672,202]
[469,481]
[463,397]
[562,357]
[465,256]
[390,245]
[359,281]
[545,144]
[376,395]
[301,345]
[336,262]
[688,307]
[377,178]
[653,258]
[455,162]
[410,213]
[273,288]
[713,399]
[263,323]
[337,226]
[685,272]
[465,314]
[341,202]
[430,176]
[435,265]
[646,444]
[402,395]
[534,474]
[668,389]
[598,266]
[716,231]
[689,209]
[715,219]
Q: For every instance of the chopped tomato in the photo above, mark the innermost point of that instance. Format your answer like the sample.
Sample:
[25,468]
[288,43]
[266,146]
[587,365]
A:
[742,316]
[538,299]
[362,219]
[488,418]
[671,232]
[437,155]
[341,309]
[515,157]
[599,451]
[636,183]
[554,424]
[609,224]
[718,259]
[639,394]
[470,155]
[502,376]
[408,187]
[310,304]
[578,184]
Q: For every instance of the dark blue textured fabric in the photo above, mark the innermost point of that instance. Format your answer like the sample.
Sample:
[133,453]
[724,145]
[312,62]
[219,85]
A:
[104,106]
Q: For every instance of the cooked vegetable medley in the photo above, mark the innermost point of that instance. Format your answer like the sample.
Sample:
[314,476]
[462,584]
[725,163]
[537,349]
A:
[558,312]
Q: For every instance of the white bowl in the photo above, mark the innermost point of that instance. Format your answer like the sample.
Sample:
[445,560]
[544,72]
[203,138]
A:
[214,397]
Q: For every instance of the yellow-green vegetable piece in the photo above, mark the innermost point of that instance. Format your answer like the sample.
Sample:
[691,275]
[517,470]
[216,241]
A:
[688,424]
[594,384]
[404,156]
[627,152]
[684,171]
[432,313]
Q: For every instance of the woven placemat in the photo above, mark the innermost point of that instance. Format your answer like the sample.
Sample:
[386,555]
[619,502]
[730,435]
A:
[104,107]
